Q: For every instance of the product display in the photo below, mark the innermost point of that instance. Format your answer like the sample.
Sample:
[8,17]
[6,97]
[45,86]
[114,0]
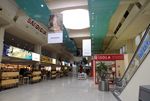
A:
[9,76]
[36,76]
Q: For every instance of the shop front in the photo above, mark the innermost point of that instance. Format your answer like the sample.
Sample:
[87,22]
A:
[115,66]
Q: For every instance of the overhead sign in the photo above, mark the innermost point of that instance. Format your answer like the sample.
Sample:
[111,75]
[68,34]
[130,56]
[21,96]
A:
[55,28]
[108,57]
[55,37]
[36,26]
[35,57]
[86,47]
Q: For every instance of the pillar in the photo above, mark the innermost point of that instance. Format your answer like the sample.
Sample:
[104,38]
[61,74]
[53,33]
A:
[2,31]
[37,49]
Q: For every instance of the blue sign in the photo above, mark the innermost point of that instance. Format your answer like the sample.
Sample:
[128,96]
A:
[145,47]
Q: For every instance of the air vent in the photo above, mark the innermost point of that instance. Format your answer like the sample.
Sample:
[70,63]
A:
[15,18]
[126,14]
[118,27]
[138,4]
[124,17]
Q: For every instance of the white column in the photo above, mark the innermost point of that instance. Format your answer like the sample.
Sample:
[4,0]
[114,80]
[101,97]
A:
[2,31]
[37,49]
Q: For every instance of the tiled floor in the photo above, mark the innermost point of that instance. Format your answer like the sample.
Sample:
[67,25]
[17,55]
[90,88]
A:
[64,89]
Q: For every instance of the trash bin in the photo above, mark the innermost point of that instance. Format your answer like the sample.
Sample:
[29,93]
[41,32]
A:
[104,85]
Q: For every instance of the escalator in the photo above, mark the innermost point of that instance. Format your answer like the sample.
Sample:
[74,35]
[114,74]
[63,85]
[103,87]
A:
[137,72]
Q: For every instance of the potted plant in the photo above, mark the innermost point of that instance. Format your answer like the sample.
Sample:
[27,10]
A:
[102,70]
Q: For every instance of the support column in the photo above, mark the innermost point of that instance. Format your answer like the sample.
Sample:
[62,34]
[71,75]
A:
[37,49]
[2,31]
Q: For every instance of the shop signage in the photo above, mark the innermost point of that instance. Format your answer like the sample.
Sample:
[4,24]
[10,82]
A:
[36,26]
[12,51]
[108,57]
[46,59]
[35,57]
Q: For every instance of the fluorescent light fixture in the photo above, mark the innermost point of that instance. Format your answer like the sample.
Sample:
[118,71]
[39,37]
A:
[76,18]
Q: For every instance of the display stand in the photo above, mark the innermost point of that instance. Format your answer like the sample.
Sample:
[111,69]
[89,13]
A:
[9,79]
[36,76]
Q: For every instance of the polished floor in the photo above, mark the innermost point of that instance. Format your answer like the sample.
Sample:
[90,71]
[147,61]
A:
[64,89]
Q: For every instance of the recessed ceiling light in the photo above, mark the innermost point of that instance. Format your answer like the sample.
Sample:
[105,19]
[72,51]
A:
[76,18]
[42,5]
[93,13]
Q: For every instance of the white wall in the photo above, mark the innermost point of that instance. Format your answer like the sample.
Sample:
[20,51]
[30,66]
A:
[141,77]
[10,7]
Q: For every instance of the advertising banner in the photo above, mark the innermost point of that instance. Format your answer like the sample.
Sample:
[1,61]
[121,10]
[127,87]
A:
[145,47]
[55,28]
[12,51]
[86,46]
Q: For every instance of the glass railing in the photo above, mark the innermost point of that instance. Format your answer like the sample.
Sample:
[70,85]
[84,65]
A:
[142,51]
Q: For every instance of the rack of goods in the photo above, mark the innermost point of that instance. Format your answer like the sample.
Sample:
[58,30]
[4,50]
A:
[61,73]
[9,76]
[53,73]
[36,76]
[65,71]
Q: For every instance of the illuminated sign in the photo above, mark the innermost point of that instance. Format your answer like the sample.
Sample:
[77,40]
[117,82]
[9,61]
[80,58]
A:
[145,47]
[35,57]
[12,51]
[108,57]
[86,46]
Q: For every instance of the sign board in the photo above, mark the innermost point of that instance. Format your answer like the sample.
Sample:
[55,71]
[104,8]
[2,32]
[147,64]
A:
[35,57]
[108,57]
[36,26]
[15,52]
[55,37]
[55,28]
[86,47]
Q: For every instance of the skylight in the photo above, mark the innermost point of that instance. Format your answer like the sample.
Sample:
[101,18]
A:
[76,19]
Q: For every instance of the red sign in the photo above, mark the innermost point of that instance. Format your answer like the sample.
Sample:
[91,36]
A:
[108,57]
[36,26]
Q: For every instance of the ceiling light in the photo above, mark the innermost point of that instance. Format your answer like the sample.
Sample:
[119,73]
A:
[93,13]
[42,5]
[76,19]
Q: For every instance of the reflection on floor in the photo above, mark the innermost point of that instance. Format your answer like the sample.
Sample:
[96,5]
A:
[64,89]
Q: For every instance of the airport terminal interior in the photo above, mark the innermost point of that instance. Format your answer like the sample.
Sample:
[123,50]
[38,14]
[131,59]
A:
[74,50]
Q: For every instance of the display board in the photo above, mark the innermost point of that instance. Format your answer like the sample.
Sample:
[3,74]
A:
[16,52]
[12,51]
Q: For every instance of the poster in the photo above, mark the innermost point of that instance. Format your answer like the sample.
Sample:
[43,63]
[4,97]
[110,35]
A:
[55,27]
[86,46]
[12,51]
